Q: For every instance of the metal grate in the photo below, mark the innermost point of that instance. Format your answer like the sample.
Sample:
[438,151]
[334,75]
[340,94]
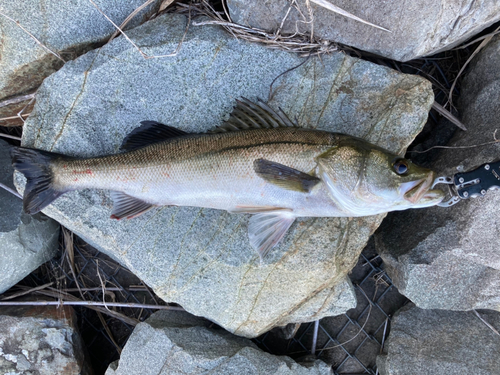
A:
[350,342]
[95,275]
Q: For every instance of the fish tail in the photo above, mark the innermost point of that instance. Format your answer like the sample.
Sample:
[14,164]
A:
[35,165]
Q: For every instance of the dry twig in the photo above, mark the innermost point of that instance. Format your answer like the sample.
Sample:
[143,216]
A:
[462,147]
[129,18]
[445,113]
[327,5]
[10,136]
[16,100]
[298,42]
[487,324]
[476,51]
[14,117]
[5,187]
[143,54]
[33,37]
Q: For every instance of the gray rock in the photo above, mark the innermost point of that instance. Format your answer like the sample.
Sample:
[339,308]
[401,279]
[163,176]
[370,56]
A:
[441,342]
[201,258]
[449,258]
[66,27]
[26,241]
[166,345]
[418,28]
[40,340]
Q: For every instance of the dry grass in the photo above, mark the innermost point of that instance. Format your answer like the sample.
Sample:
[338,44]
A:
[300,43]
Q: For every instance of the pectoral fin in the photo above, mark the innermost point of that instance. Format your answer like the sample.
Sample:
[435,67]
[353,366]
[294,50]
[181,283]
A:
[125,206]
[265,230]
[283,176]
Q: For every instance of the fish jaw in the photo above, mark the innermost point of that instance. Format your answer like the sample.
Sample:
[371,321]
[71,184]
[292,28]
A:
[419,194]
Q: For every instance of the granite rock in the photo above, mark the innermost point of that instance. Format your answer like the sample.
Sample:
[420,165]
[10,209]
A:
[40,340]
[201,258]
[449,258]
[418,28]
[441,342]
[66,27]
[26,241]
[162,345]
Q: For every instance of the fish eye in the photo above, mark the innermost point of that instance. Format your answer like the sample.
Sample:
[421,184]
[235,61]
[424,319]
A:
[400,166]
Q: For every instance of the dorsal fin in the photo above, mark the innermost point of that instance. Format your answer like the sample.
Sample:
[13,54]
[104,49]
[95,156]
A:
[249,115]
[148,133]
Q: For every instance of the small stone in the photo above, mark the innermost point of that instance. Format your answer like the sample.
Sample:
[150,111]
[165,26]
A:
[40,340]
[164,345]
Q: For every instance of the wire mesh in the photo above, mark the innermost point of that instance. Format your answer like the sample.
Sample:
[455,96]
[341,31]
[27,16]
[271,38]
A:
[350,342]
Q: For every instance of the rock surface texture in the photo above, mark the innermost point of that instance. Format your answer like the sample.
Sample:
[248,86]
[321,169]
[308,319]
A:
[449,258]
[202,258]
[40,341]
[65,27]
[168,343]
[418,28]
[26,241]
[441,343]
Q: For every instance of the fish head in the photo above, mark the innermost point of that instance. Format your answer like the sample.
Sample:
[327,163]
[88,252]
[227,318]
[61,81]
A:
[364,179]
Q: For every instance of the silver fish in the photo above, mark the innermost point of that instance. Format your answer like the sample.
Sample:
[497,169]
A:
[258,162]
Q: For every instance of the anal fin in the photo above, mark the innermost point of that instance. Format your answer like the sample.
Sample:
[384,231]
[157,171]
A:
[265,230]
[125,206]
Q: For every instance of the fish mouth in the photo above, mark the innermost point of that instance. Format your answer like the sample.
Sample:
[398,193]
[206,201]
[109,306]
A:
[419,191]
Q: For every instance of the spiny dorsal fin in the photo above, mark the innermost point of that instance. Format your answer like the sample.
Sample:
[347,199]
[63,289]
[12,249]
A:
[285,177]
[148,133]
[125,206]
[248,115]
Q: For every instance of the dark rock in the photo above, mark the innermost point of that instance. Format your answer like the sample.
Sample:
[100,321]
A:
[418,28]
[26,241]
[449,258]
[441,342]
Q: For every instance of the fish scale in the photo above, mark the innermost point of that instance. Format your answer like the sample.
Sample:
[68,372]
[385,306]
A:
[209,170]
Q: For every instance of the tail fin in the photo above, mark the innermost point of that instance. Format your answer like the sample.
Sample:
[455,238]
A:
[35,165]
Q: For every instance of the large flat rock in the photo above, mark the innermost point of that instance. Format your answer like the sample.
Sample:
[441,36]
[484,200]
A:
[65,27]
[449,258]
[201,258]
[440,342]
[26,241]
[418,28]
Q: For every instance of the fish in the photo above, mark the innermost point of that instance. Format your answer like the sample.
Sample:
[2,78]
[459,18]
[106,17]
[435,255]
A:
[258,162]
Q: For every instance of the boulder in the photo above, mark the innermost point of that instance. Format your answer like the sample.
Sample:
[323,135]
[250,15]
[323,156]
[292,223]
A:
[26,241]
[441,342]
[167,343]
[202,258]
[65,27]
[40,340]
[449,258]
[417,28]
